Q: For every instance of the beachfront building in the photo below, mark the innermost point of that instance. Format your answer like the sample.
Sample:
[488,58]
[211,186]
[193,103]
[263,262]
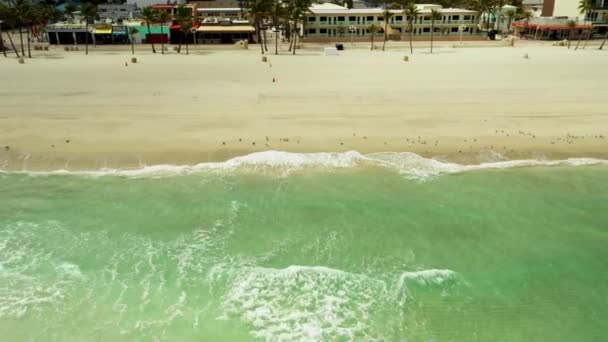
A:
[68,34]
[105,33]
[569,8]
[330,22]
[533,6]
[117,11]
[555,16]
[217,22]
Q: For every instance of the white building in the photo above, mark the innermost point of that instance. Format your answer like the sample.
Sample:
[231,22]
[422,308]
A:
[330,22]
[117,11]
[569,8]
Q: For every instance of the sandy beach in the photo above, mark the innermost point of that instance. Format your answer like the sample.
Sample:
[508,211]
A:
[67,110]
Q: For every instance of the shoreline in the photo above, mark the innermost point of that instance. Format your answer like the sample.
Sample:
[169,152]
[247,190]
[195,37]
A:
[455,104]
[280,163]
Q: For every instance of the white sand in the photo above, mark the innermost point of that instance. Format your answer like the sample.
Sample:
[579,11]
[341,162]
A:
[181,109]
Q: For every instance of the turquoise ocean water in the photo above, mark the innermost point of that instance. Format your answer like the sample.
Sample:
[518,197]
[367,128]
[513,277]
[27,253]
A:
[330,250]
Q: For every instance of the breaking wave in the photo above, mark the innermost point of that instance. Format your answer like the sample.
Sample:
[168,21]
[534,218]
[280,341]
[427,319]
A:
[409,164]
[316,303]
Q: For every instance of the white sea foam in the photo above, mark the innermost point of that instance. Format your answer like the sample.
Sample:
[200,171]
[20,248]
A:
[430,276]
[304,303]
[315,303]
[409,164]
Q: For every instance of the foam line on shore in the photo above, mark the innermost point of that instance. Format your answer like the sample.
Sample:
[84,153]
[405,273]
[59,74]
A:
[409,164]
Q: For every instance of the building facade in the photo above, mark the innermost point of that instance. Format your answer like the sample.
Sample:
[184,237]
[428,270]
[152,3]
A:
[117,11]
[332,22]
[569,8]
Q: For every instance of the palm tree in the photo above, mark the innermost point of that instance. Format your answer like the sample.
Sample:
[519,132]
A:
[20,13]
[186,28]
[9,13]
[88,12]
[571,26]
[586,8]
[386,15]
[605,17]
[241,7]
[296,10]
[276,12]
[510,14]
[435,15]
[373,28]
[69,10]
[43,14]
[257,10]
[149,15]
[163,18]
[526,16]
[412,12]
[132,31]
[3,15]
[183,16]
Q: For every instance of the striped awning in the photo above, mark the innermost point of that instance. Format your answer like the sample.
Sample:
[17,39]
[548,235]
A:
[220,29]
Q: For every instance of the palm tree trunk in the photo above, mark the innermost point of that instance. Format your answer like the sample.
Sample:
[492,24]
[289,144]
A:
[265,41]
[187,52]
[589,34]
[604,41]
[432,33]
[295,38]
[2,43]
[57,37]
[29,48]
[86,38]
[132,45]
[372,46]
[385,35]
[570,38]
[10,39]
[578,43]
[153,49]
[162,42]
[257,25]
[276,40]
[21,41]
[411,36]
[291,35]
[179,46]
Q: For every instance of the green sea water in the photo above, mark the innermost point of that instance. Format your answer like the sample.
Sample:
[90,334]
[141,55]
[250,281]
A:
[347,254]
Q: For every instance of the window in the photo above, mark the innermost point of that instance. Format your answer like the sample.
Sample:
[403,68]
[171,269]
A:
[426,29]
[352,18]
[322,18]
[370,18]
[323,31]
[312,19]
[380,19]
[455,17]
[123,10]
[399,18]
[312,31]
[467,17]
[454,29]
[340,18]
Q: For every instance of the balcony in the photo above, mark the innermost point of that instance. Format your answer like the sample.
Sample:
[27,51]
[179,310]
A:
[438,23]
